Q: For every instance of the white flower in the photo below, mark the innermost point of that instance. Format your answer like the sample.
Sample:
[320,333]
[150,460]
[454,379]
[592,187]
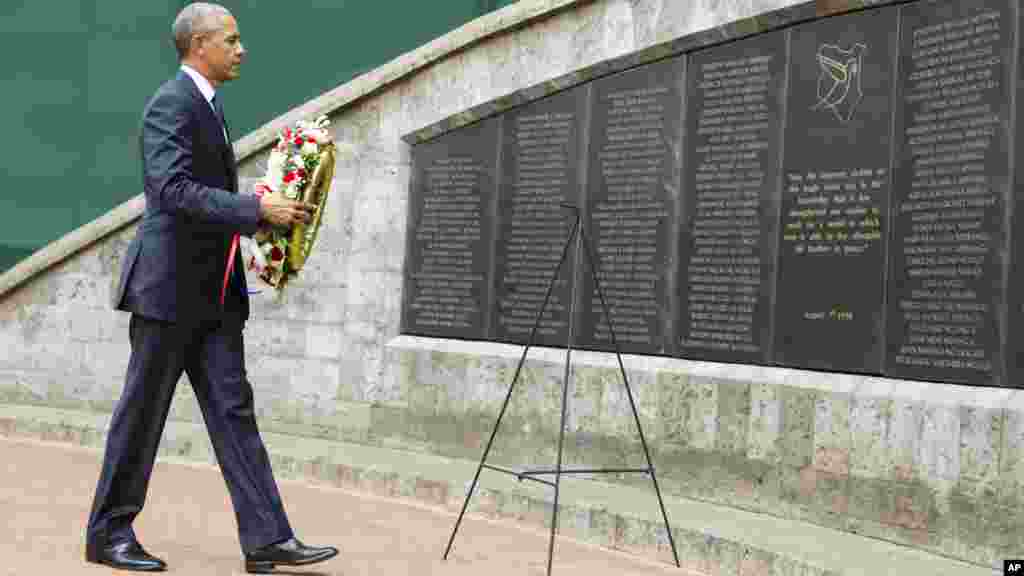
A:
[309,148]
[298,161]
[275,169]
[292,191]
[251,252]
[277,158]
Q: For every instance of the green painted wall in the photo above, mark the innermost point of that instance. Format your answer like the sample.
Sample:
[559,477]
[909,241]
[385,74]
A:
[77,74]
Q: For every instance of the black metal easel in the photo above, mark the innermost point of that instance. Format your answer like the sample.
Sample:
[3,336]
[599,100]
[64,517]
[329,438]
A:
[579,233]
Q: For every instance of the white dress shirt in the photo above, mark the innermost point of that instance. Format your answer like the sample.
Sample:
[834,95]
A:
[206,89]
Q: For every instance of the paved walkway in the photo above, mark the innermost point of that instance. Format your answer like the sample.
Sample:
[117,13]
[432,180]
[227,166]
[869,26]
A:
[47,488]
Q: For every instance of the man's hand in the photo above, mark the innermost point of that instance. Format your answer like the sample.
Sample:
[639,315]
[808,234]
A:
[281,211]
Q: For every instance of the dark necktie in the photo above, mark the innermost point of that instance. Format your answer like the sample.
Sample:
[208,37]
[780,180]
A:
[219,112]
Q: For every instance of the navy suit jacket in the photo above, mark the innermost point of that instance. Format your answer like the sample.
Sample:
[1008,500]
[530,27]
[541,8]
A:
[175,265]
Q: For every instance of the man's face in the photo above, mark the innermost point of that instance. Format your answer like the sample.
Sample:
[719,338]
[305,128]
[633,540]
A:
[221,50]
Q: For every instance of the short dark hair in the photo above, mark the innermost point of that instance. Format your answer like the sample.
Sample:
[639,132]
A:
[196,18]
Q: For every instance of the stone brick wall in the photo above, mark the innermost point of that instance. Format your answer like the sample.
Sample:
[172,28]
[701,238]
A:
[932,466]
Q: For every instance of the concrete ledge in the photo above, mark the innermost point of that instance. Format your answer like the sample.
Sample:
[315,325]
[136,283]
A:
[710,539]
[871,387]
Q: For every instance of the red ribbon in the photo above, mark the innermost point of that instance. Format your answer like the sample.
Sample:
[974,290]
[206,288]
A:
[231,265]
[261,189]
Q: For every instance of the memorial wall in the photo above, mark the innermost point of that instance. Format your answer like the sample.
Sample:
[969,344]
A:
[835,195]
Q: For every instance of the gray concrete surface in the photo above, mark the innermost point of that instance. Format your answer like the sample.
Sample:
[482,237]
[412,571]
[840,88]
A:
[711,539]
[47,488]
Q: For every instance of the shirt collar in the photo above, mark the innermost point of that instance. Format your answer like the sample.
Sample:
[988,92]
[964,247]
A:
[205,88]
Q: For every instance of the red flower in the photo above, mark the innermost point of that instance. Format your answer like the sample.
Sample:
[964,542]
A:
[302,172]
[287,133]
[298,141]
[289,177]
[276,254]
[310,139]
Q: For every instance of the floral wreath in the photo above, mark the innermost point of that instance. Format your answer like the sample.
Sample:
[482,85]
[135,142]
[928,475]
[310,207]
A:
[291,167]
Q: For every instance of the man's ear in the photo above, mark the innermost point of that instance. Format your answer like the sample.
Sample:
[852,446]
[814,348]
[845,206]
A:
[196,46]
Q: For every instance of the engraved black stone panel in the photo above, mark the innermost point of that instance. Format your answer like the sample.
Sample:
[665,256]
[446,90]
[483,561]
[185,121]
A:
[632,198]
[950,196]
[830,288]
[730,199]
[1015,296]
[450,235]
[540,168]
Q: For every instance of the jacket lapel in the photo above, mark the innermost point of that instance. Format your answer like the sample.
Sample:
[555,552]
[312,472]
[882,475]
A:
[209,119]
[229,158]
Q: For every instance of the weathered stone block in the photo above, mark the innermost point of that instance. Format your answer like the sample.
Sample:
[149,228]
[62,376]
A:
[698,400]
[1011,457]
[797,438]
[940,442]
[806,493]
[833,439]
[639,536]
[905,440]
[870,421]
[587,398]
[723,556]
[672,409]
[755,562]
[981,437]
[734,414]
[693,550]
[616,414]
[765,423]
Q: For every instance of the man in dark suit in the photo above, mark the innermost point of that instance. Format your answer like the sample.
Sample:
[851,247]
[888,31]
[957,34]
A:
[189,304]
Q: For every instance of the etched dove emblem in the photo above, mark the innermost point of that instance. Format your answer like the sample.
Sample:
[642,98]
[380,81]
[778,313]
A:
[839,85]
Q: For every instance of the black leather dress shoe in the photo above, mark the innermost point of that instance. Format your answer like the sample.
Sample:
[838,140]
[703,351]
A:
[127,555]
[291,552]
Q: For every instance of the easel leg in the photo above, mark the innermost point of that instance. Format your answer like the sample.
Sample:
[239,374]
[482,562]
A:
[487,450]
[565,389]
[579,234]
[508,396]
[629,393]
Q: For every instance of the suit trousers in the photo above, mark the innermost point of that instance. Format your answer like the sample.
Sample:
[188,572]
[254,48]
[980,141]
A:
[213,357]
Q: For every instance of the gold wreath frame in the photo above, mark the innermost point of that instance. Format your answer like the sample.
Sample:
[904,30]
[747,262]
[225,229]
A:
[316,192]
